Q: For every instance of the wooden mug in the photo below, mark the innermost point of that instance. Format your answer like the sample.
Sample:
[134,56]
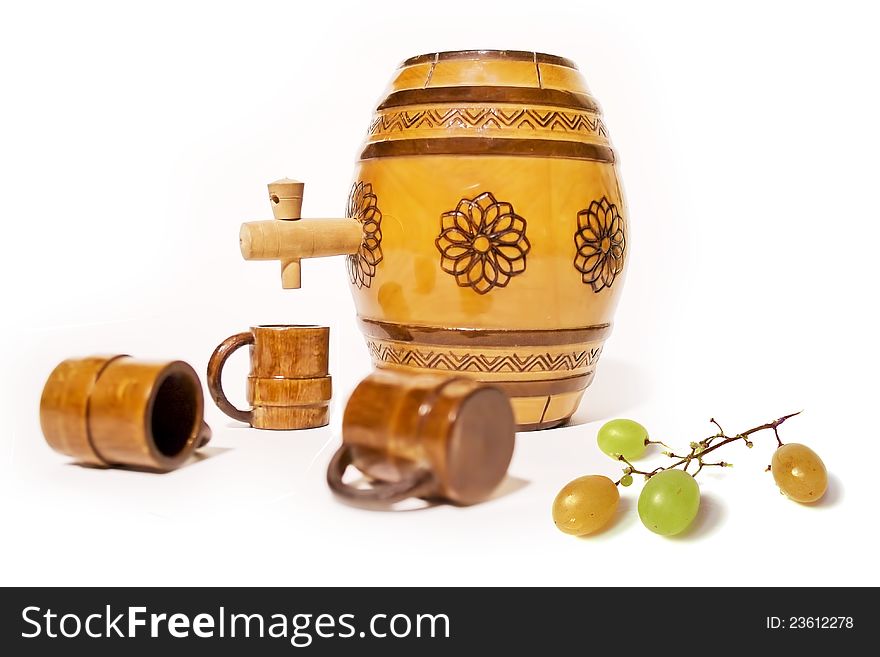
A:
[288,386]
[424,436]
[119,411]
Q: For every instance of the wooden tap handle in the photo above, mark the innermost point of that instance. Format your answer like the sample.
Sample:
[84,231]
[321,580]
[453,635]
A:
[215,372]
[380,493]
[286,197]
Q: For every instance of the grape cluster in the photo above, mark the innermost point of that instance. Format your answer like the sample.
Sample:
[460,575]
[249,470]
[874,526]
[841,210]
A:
[670,499]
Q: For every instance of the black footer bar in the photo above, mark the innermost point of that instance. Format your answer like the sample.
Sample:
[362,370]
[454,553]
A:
[431,621]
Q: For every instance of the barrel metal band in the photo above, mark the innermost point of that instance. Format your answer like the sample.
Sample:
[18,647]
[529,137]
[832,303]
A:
[491,94]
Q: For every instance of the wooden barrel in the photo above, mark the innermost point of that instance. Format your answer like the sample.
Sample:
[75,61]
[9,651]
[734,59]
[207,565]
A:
[495,228]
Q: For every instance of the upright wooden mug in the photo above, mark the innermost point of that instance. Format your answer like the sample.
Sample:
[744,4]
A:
[119,411]
[423,435]
[288,386]
[493,231]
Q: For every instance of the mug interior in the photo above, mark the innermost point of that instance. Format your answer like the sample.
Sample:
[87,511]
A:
[175,413]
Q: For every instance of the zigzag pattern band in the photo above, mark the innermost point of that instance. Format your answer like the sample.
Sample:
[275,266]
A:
[485,363]
[486,117]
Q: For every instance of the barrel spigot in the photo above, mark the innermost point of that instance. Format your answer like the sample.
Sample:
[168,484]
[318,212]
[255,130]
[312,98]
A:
[289,238]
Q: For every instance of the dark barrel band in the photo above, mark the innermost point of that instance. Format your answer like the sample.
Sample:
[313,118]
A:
[486,94]
[466,337]
[571,150]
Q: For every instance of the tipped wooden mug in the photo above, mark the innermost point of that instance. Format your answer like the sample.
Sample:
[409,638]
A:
[424,436]
[288,386]
[119,411]
[488,233]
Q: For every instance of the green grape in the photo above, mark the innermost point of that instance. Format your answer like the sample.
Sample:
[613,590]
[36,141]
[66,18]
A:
[585,505]
[799,472]
[669,502]
[622,437]
[626,480]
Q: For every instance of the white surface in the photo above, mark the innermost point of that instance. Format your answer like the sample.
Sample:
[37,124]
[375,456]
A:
[135,140]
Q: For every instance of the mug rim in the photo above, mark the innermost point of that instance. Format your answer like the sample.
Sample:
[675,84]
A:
[165,462]
[283,327]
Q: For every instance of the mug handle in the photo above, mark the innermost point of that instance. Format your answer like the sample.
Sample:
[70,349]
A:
[380,493]
[215,369]
[205,435]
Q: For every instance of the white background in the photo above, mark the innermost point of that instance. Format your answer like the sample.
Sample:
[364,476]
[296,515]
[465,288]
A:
[134,139]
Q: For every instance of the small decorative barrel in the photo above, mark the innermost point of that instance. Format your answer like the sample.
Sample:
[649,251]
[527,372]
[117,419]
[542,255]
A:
[495,232]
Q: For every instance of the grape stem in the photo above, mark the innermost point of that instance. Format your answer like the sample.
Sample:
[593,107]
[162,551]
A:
[699,450]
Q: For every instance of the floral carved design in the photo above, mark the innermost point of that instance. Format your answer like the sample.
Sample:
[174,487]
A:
[600,243]
[482,243]
[363,206]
